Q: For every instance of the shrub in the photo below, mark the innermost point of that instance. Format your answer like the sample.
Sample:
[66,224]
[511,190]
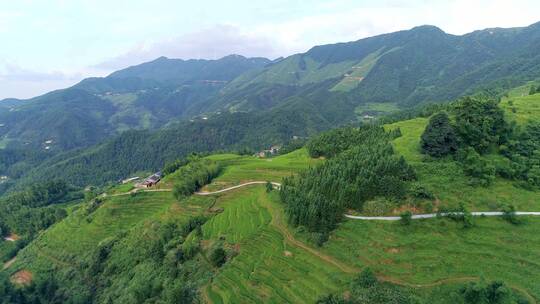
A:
[365,279]
[318,238]
[269,187]
[509,215]
[481,171]
[421,192]
[218,256]
[406,218]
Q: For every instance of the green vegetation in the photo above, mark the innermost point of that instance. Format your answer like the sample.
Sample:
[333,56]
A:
[364,170]
[439,138]
[376,109]
[480,123]
[366,289]
[193,176]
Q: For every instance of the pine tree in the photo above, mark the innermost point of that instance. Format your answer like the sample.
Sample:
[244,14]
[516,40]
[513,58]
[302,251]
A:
[439,138]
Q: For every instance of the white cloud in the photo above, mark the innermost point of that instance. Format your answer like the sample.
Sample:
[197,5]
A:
[210,43]
[19,82]
[278,33]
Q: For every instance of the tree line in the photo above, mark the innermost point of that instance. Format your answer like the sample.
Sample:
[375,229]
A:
[359,171]
[193,176]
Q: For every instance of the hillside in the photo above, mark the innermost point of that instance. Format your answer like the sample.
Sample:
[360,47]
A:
[240,245]
[327,86]
[146,96]
[423,64]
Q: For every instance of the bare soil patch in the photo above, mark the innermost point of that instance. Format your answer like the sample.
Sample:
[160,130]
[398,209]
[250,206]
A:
[22,277]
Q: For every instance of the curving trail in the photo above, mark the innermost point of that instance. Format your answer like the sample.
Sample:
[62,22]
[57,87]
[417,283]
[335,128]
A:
[236,187]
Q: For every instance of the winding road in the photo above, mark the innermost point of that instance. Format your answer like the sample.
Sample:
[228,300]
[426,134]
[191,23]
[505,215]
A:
[380,218]
[432,215]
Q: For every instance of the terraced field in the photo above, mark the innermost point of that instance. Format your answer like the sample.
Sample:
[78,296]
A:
[242,216]
[60,245]
[433,250]
[271,267]
[239,169]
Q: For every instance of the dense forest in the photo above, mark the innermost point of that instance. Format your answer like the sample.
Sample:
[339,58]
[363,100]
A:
[193,176]
[26,213]
[364,167]
[159,266]
[149,150]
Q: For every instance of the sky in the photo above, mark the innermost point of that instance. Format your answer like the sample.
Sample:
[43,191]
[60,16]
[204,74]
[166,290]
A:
[53,44]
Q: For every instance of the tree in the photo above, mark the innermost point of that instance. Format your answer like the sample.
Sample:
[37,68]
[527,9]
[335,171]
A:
[480,123]
[218,256]
[439,138]
[532,91]
[365,279]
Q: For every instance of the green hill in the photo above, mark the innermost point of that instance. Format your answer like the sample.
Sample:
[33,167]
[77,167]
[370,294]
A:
[327,86]
[238,246]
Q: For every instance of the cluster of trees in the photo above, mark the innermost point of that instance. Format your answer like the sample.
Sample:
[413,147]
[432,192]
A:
[193,176]
[479,124]
[33,209]
[480,128]
[149,264]
[523,154]
[317,197]
[534,90]
[495,292]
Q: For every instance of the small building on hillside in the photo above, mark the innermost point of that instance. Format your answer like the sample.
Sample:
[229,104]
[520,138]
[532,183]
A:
[270,152]
[152,180]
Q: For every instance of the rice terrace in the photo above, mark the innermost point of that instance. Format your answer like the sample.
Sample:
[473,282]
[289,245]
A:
[239,153]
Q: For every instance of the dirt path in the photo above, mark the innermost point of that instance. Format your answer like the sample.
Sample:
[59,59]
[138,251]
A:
[137,190]
[9,263]
[236,187]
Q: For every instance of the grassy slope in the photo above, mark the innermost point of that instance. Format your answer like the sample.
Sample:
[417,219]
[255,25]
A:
[59,246]
[275,266]
[270,267]
[448,182]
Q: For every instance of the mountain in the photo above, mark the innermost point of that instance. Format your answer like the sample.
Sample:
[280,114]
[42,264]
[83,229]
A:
[420,65]
[215,230]
[146,96]
[327,86]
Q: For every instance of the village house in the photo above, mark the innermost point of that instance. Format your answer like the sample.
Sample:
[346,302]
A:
[152,180]
[266,153]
